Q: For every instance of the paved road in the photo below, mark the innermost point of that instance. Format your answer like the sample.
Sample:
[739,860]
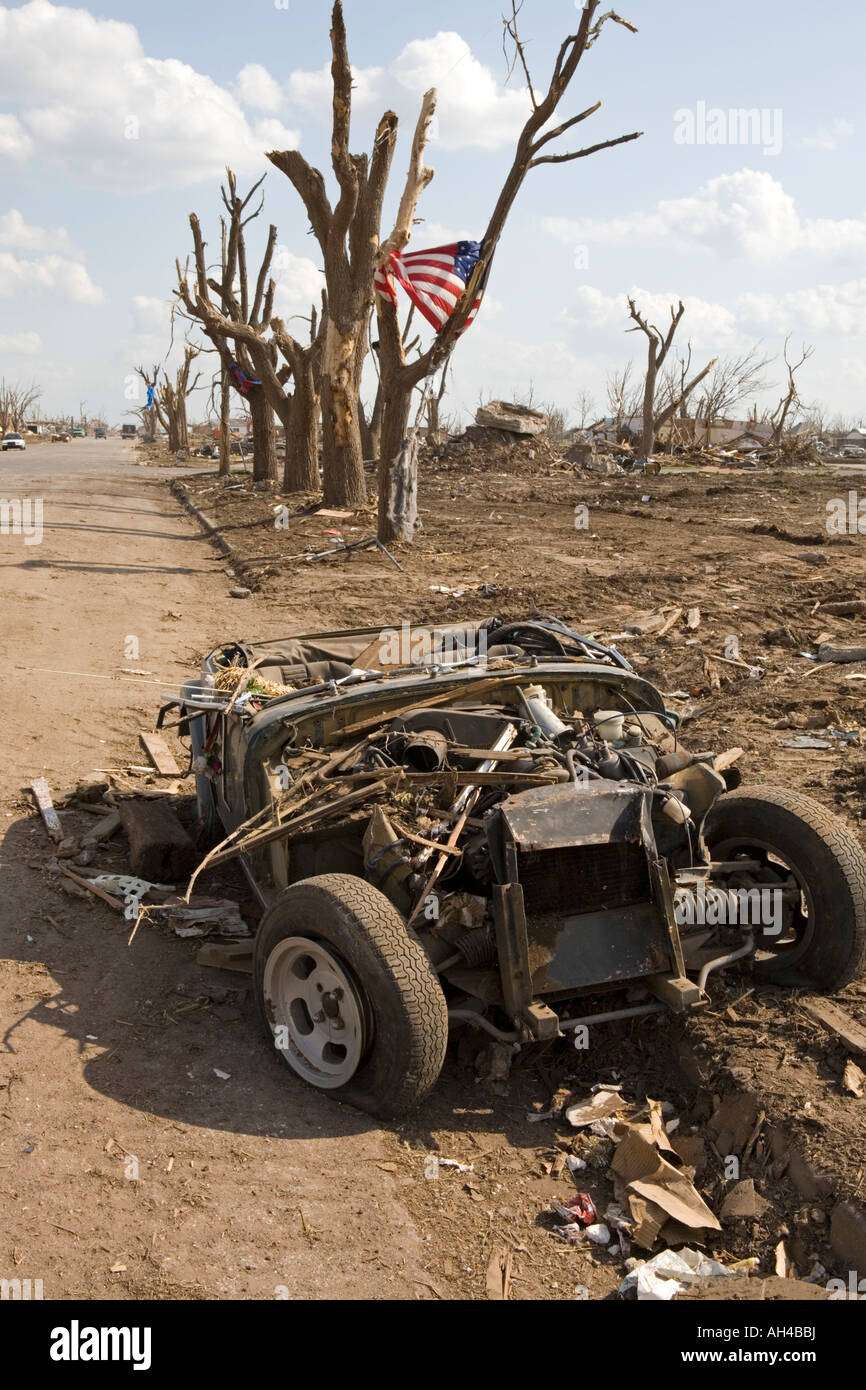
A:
[79,458]
[247,1185]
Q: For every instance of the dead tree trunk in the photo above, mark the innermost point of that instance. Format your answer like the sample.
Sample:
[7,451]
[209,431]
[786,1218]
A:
[225,442]
[348,236]
[173,401]
[242,322]
[658,347]
[264,438]
[791,398]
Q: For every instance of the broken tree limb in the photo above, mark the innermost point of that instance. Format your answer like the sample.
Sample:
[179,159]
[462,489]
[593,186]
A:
[92,888]
[840,656]
[259,840]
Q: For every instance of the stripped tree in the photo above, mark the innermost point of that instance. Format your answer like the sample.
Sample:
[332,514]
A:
[16,403]
[789,404]
[240,318]
[398,467]
[658,347]
[149,413]
[171,397]
[348,237]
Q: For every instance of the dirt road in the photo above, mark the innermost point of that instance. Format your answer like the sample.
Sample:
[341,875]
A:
[128,1168]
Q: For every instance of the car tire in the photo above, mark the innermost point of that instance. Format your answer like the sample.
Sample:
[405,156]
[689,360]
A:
[830,866]
[337,939]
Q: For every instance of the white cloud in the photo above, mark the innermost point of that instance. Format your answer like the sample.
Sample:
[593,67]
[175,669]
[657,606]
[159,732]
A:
[745,214]
[831,309]
[431,233]
[15,143]
[47,274]
[299,284]
[50,263]
[313,90]
[16,235]
[705,323]
[475,109]
[22,344]
[255,87]
[150,313]
[830,135]
[90,99]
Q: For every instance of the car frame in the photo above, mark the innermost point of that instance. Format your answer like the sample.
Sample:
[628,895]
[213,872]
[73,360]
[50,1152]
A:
[12,440]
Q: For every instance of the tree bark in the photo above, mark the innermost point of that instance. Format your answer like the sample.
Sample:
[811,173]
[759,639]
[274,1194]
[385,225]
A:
[398,473]
[648,433]
[376,424]
[344,483]
[225,443]
[264,438]
[301,467]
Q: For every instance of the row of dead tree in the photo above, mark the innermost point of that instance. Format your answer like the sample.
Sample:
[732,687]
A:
[313,387]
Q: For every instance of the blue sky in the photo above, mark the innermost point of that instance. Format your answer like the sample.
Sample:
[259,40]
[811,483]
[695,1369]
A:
[115,122]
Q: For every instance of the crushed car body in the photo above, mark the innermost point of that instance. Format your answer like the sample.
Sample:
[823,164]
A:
[481,826]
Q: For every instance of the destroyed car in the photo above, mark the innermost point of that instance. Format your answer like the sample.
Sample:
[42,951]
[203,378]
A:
[482,827]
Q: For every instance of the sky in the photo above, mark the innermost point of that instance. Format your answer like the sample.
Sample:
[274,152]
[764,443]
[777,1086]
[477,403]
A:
[117,121]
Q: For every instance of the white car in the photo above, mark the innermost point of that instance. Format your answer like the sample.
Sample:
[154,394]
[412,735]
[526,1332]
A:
[12,441]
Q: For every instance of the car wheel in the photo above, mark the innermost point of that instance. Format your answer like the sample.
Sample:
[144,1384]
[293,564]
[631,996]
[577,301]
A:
[819,865]
[346,992]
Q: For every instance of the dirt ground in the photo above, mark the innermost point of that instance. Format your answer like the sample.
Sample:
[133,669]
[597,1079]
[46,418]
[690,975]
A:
[254,1187]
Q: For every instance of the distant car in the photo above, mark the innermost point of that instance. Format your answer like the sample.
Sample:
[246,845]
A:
[12,440]
[100,433]
[78,433]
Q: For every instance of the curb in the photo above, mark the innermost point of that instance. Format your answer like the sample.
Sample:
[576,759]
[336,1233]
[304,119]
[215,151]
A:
[212,532]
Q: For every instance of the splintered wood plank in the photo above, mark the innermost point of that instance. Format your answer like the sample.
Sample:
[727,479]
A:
[42,793]
[160,754]
[837,1022]
[236,956]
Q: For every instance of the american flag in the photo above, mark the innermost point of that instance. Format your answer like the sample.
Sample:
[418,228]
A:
[434,280]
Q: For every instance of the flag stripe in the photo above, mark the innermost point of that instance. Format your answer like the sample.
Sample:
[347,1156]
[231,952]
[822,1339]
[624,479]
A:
[434,279]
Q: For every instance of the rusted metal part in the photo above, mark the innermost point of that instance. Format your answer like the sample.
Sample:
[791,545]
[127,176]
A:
[581,858]
[593,814]
[577,951]
[513,948]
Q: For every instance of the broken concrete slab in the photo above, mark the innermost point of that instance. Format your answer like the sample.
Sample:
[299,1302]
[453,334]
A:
[511,417]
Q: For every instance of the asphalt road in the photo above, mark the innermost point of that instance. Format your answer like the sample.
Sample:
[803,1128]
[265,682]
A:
[79,456]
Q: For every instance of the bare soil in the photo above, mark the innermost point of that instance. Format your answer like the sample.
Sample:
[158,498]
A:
[254,1186]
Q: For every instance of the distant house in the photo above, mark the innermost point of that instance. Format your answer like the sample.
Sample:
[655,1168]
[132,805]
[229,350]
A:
[846,439]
